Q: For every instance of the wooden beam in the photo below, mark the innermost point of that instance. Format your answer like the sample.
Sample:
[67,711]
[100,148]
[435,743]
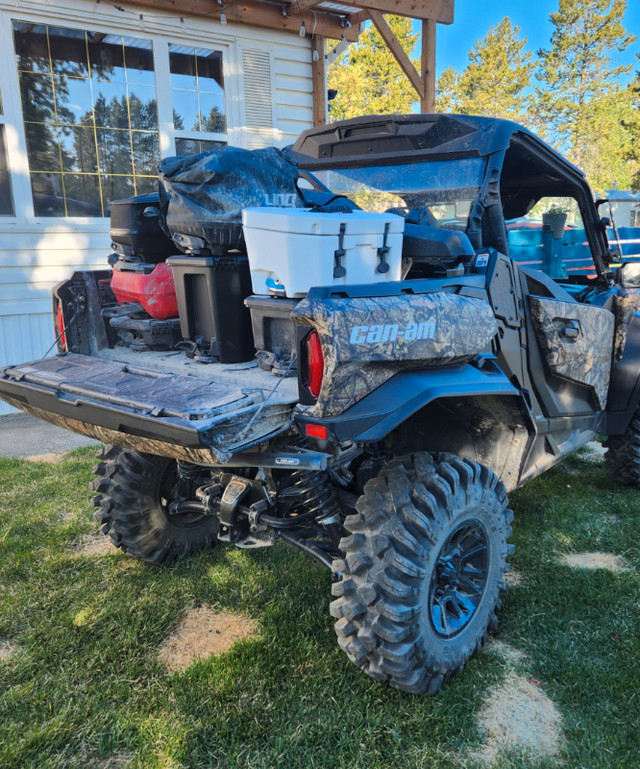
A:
[428,66]
[356,18]
[438,10]
[398,51]
[301,5]
[258,14]
[319,75]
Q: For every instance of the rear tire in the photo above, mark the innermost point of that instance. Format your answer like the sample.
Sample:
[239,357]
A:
[423,570]
[133,495]
[623,456]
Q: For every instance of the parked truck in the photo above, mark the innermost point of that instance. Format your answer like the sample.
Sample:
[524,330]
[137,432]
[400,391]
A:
[366,385]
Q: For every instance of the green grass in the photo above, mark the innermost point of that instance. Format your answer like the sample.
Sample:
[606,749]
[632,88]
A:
[86,684]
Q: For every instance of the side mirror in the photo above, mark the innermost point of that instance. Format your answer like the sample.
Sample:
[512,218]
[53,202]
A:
[629,275]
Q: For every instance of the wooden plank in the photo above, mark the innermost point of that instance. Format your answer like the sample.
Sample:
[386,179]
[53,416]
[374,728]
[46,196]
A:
[398,51]
[257,14]
[438,10]
[428,66]
[319,69]
[358,18]
[301,5]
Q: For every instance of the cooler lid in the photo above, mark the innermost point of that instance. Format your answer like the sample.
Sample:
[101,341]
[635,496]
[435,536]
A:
[301,221]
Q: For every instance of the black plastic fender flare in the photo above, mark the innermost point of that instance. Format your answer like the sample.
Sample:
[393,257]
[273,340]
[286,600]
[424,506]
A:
[386,408]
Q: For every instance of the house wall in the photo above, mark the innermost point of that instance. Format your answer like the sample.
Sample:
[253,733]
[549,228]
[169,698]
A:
[268,101]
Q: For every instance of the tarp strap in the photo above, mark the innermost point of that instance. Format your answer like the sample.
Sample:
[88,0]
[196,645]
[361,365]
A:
[383,251]
[338,270]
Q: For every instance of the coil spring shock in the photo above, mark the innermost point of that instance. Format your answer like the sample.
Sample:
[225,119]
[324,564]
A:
[313,492]
[188,475]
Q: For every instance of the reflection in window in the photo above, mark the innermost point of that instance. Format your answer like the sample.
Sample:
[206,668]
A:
[197,90]
[196,146]
[6,196]
[90,114]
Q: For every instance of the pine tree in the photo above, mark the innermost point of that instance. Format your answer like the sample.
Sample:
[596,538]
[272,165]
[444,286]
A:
[631,123]
[448,95]
[496,80]
[578,80]
[499,72]
[368,79]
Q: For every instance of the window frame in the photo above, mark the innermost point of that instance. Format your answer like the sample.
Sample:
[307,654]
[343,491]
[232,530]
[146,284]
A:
[161,35]
[3,125]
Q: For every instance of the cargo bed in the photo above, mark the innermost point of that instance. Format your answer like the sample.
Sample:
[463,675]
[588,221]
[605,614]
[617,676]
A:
[163,403]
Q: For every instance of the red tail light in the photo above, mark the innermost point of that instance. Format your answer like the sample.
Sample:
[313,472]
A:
[60,328]
[315,364]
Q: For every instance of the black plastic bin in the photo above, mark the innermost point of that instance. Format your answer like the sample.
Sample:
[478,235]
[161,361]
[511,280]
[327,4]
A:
[136,230]
[211,291]
[273,330]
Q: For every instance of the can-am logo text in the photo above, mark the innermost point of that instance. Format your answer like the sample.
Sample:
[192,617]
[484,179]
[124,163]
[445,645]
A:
[390,332]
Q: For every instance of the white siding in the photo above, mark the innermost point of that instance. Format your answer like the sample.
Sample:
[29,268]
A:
[32,260]
[293,78]
[268,88]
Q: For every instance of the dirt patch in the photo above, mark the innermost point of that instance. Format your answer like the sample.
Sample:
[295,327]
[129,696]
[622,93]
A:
[202,633]
[513,578]
[93,544]
[593,452]
[508,653]
[117,760]
[7,650]
[518,716]
[594,561]
[49,459]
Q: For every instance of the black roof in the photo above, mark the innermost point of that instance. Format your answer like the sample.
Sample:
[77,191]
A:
[416,135]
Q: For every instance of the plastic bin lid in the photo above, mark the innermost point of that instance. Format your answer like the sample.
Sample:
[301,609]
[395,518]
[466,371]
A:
[303,221]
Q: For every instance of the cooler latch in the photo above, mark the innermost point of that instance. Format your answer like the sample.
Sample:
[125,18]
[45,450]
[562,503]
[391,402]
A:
[338,270]
[383,251]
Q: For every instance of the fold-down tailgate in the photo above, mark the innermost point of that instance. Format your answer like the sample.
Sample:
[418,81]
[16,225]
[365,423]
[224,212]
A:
[185,417]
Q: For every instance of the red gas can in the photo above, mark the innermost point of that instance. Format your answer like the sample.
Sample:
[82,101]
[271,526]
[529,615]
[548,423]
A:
[155,291]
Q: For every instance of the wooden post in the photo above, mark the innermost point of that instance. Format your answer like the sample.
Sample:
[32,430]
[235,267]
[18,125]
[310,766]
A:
[428,65]
[319,70]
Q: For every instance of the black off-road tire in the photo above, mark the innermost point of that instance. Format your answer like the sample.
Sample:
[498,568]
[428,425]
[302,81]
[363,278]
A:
[133,491]
[622,459]
[389,599]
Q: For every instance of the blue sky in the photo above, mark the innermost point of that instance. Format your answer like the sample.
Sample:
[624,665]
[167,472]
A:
[473,19]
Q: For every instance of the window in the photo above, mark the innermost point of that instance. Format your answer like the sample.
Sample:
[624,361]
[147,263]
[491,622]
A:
[554,233]
[90,117]
[197,92]
[6,195]
[440,191]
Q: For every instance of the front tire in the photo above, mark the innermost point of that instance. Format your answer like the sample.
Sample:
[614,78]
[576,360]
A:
[622,459]
[423,570]
[134,491]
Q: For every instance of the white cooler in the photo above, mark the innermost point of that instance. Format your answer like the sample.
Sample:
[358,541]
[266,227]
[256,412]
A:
[292,249]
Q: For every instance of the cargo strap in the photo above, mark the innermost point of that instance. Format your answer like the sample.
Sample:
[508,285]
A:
[338,270]
[383,251]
